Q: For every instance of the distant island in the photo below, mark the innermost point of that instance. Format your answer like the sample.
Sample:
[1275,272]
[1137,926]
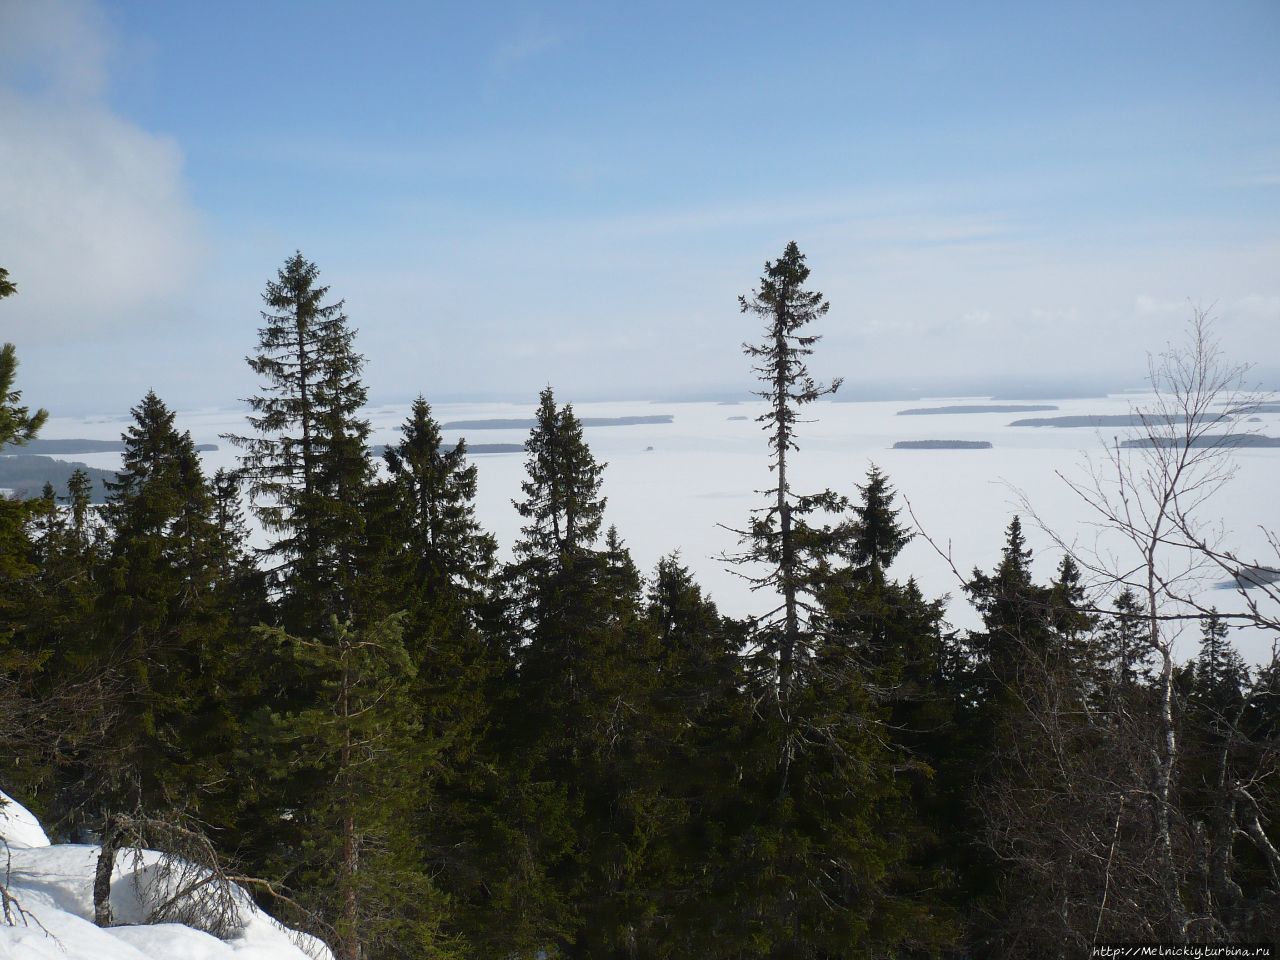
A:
[78,445]
[26,475]
[737,418]
[1207,440]
[529,423]
[977,408]
[942,445]
[1104,420]
[472,448]
[1256,408]
[1251,577]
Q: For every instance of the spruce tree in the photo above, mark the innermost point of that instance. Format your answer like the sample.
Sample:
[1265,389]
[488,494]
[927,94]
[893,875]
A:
[360,736]
[309,471]
[1124,654]
[572,732]
[163,620]
[1025,724]
[562,501]
[859,599]
[779,537]
[18,426]
[437,563]
[441,551]
[1067,604]
[1015,618]
[818,852]
[895,639]
[307,464]
[876,536]
[1219,676]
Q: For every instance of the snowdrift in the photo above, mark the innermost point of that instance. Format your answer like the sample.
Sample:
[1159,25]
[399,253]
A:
[53,885]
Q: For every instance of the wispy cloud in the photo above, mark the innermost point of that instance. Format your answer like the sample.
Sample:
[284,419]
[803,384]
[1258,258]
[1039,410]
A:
[528,44]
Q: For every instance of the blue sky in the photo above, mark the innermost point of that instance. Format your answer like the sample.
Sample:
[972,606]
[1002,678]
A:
[515,194]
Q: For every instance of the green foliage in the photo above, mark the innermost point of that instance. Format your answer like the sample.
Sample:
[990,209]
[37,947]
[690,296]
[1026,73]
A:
[436,562]
[562,501]
[815,863]
[360,735]
[572,730]
[434,755]
[780,537]
[1218,677]
[162,621]
[1123,650]
[18,425]
[307,464]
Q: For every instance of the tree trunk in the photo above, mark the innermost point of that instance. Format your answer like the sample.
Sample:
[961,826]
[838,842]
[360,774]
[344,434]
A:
[349,947]
[1166,760]
[111,836]
[787,571]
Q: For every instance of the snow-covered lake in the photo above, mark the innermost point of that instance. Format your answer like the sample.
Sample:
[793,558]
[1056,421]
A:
[672,486]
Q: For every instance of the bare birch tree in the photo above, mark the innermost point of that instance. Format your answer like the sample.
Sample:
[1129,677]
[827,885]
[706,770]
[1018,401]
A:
[1150,500]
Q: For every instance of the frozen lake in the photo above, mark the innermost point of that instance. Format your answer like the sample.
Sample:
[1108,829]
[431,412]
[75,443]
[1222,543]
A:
[671,486]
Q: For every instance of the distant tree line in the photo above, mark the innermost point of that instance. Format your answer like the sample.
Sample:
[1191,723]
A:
[416,749]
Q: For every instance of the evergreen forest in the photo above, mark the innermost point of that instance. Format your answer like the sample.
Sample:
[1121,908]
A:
[414,744]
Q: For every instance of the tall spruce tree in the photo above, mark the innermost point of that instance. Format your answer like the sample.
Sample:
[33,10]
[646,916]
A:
[307,464]
[818,852]
[308,468]
[779,537]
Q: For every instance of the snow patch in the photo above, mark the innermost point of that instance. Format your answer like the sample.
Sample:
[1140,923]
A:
[18,825]
[53,883]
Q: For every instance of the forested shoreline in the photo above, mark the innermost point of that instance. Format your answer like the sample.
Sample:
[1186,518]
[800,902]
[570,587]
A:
[411,748]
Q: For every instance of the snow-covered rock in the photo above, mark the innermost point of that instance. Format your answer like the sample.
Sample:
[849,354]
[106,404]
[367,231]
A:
[18,826]
[53,884]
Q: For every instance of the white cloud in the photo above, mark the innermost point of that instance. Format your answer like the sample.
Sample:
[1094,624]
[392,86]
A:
[99,233]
